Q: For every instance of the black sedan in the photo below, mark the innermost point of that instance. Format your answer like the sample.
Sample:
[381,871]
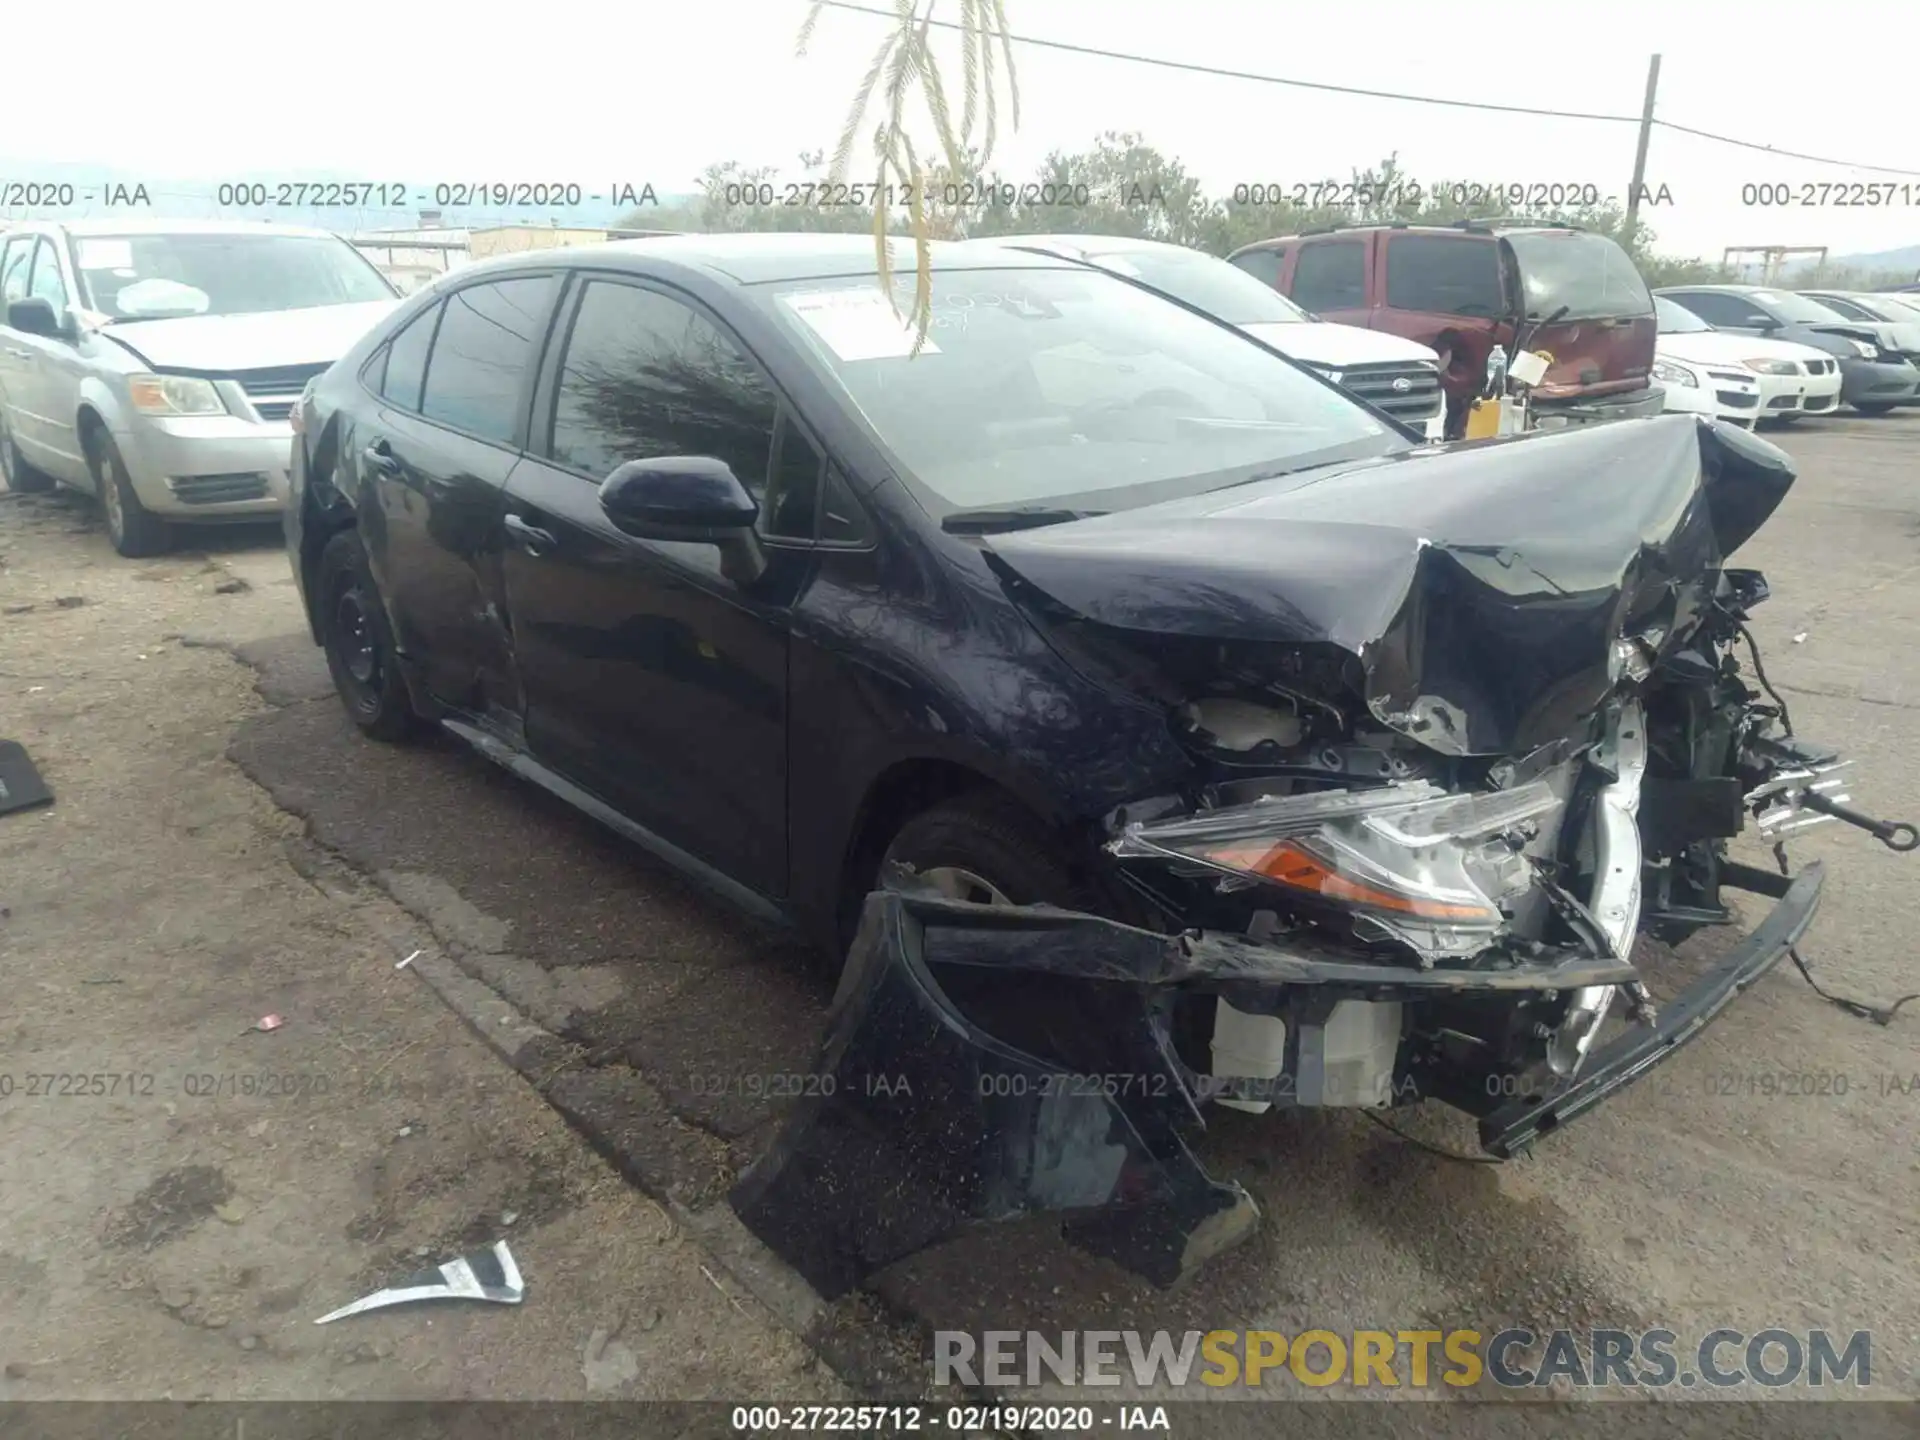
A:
[1142,719]
[1874,376]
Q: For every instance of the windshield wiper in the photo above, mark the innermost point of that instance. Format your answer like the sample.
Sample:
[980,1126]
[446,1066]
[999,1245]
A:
[1014,517]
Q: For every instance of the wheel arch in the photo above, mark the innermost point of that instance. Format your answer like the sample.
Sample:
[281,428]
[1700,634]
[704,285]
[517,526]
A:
[907,787]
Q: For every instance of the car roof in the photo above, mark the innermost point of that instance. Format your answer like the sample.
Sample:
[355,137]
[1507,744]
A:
[1091,244]
[1725,289]
[146,226]
[1490,228]
[767,257]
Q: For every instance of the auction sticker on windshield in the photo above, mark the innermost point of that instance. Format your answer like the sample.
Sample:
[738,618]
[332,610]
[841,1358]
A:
[856,324]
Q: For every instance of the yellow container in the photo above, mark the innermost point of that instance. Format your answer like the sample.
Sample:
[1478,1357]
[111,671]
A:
[1483,420]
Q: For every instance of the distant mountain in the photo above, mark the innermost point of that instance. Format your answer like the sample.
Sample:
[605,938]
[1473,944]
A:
[330,199]
[1905,262]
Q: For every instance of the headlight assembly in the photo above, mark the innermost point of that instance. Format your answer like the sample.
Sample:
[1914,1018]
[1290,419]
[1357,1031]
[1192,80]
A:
[174,395]
[1413,862]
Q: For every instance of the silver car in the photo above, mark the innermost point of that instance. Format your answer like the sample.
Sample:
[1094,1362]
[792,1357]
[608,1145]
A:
[153,364]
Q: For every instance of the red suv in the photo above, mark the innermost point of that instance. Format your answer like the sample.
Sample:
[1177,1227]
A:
[1464,288]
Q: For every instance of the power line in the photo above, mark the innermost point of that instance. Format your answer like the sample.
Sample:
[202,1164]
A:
[1221,72]
[1785,154]
[1226,74]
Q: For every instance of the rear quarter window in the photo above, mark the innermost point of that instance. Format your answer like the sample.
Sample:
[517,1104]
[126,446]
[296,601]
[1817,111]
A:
[1331,275]
[1263,265]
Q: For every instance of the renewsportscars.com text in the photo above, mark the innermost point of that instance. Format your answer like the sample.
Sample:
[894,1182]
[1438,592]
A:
[1512,1358]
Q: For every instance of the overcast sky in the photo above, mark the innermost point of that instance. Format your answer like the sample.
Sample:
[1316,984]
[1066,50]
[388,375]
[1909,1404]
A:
[600,92]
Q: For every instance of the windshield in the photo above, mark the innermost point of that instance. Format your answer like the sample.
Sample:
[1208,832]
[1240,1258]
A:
[139,277]
[1904,311]
[1676,319]
[1069,387]
[1588,274]
[1224,291]
[1797,309]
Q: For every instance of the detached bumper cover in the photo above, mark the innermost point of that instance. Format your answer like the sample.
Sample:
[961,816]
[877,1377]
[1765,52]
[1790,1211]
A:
[925,1124]
[1618,1064]
[987,1064]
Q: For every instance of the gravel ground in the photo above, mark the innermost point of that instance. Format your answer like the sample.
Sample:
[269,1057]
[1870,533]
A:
[194,1193]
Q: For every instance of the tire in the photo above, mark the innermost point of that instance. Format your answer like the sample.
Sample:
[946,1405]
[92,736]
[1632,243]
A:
[995,852]
[1872,407]
[359,644]
[21,478]
[1785,420]
[136,532]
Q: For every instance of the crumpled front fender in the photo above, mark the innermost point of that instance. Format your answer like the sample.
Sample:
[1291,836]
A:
[924,1124]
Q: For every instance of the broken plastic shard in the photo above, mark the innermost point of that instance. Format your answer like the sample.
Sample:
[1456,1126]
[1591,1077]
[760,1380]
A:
[480,1275]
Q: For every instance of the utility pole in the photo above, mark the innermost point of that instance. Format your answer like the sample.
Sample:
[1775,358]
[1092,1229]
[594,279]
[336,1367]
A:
[1640,150]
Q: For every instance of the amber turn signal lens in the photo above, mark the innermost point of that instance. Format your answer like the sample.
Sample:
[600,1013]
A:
[1289,864]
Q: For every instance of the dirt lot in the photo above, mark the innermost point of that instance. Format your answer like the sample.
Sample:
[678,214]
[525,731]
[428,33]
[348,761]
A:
[224,847]
[177,1236]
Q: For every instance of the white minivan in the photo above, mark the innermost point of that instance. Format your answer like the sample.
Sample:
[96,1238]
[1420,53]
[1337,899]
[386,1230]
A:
[153,363]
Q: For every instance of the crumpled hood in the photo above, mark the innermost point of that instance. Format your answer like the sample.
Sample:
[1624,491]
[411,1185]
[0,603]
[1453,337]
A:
[222,344]
[1482,586]
[1883,333]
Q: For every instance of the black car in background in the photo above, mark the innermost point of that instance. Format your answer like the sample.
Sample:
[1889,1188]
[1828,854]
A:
[1874,376]
[1117,698]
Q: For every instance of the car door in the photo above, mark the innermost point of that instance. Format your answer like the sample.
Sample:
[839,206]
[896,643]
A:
[51,391]
[433,460]
[652,679]
[16,263]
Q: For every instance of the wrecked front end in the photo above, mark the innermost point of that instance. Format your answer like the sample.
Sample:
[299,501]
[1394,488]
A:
[1446,767]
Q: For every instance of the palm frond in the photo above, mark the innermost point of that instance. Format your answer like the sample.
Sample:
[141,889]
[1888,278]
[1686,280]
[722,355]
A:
[1005,35]
[969,63]
[806,27]
[849,132]
[904,63]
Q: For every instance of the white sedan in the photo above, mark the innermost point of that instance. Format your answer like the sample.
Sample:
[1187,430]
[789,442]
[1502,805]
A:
[1739,378]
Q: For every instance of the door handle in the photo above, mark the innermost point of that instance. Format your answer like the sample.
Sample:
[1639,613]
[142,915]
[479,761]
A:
[380,458]
[530,538]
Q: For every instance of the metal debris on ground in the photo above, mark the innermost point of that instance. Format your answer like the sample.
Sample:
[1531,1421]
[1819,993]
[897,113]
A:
[410,959]
[480,1275]
[268,1022]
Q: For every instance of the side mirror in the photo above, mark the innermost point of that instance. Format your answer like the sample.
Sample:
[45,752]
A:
[693,499]
[1763,322]
[36,316]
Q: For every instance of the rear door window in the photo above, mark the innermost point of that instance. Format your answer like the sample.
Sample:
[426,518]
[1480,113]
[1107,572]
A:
[1444,275]
[1331,275]
[485,347]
